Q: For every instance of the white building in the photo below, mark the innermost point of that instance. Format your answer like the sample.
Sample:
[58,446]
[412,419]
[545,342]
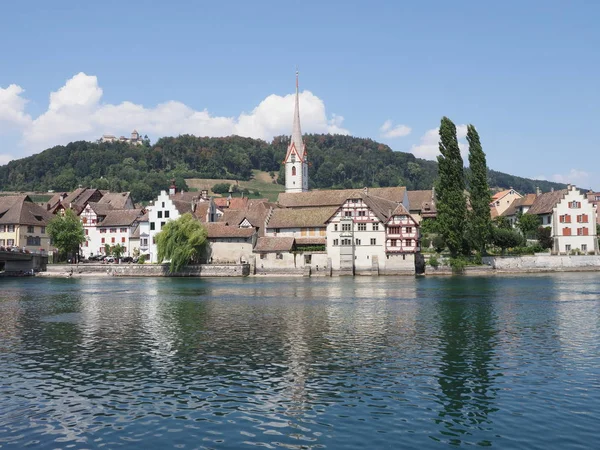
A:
[134,138]
[571,217]
[118,228]
[296,158]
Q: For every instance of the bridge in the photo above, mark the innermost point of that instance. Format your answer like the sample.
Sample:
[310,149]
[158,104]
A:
[12,263]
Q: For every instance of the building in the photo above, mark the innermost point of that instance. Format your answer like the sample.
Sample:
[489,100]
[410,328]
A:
[594,199]
[422,204]
[133,139]
[502,200]
[571,218]
[519,206]
[23,224]
[118,228]
[296,158]
[229,244]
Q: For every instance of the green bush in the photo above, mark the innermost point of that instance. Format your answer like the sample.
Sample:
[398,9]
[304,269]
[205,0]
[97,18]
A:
[142,259]
[425,243]
[458,264]
[221,188]
[439,244]
[434,262]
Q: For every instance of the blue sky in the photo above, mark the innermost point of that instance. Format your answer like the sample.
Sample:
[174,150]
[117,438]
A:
[524,73]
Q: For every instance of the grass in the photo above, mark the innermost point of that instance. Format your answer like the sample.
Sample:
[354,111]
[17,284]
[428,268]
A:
[261,182]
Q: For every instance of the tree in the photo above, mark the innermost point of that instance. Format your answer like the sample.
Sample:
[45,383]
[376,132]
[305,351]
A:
[502,222]
[480,219]
[528,224]
[117,250]
[451,204]
[66,232]
[221,188]
[544,235]
[181,241]
[504,238]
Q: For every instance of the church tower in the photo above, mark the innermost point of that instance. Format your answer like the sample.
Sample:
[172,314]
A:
[296,162]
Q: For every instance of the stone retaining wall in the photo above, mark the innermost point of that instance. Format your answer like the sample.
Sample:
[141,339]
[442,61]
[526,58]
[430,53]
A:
[543,263]
[153,270]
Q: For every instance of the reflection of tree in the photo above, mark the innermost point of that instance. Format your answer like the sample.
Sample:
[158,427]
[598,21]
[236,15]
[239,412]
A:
[467,369]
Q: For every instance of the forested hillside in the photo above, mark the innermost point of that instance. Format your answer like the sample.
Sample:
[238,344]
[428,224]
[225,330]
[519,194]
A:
[335,161]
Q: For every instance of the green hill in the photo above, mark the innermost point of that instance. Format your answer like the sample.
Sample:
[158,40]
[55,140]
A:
[336,161]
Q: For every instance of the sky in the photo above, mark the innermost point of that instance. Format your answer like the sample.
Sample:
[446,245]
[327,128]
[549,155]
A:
[525,73]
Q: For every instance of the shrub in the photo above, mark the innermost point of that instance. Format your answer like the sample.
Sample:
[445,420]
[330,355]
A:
[434,262]
[221,188]
[439,244]
[425,242]
[142,259]
[458,265]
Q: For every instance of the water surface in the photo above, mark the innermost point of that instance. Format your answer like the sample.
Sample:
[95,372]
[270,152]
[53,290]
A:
[387,362]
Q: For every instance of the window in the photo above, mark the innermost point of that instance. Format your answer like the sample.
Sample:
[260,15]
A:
[293,171]
[347,213]
[597,198]
[354,200]
[123,239]
[103,240]
[584,247]
[575,204]
[263,256]
[335,227]
[395,230]
[362,227]
[307,259]
[87,244]
[567,218]
[346,227]
[566,231]
[362,213]
[393,242]
[561,219]
[336,242]
[279,255]
[277,230]
[11,228]
[357,241]
[112,240]
[152,226]
[375,227]
[102,230]
[408,242]
[144,242]
[84,220]
[346,242]
[10,242]
[2,242]
[33,240]
[159,214]
[123,230]
[162,224]
[568,247]
[113,230]
[408,230]
[373,241]
[163,204]
[167,214]
[30,229]
[87,231]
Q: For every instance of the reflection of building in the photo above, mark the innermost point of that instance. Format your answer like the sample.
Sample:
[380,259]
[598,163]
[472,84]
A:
[134,139]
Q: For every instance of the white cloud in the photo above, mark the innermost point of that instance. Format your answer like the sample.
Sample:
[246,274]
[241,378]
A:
[75,112]
[12,109]
[389,131]
[576,177]
[428,148]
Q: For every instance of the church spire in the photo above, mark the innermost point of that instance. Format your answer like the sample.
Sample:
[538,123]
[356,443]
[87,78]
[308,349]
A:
[296,131]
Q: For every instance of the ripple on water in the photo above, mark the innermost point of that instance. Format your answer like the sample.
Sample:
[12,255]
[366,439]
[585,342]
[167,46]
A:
[322,363]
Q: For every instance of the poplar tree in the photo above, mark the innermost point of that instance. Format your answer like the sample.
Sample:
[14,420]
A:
[450,190]
[479,217]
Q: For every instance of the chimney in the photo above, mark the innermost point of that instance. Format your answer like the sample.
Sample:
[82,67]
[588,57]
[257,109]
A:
[551,189]
[366,190]
[569,186]
[433,193]
[204,194]
[228,200]
[173,188]
[537,191]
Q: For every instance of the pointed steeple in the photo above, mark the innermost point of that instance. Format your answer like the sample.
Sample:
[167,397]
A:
[296,131]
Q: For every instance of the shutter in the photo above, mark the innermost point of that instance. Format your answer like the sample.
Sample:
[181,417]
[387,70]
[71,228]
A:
[585,218]
[585,231]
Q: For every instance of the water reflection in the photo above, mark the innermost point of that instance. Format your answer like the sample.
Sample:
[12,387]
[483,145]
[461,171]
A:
[467,369]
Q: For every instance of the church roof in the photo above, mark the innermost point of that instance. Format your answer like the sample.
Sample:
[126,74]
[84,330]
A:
[296,142]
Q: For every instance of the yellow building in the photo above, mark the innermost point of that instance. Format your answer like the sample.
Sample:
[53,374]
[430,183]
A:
[23,224]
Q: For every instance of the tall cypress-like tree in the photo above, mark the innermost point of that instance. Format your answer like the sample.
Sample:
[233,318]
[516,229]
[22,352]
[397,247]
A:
[450,190]
[480,221]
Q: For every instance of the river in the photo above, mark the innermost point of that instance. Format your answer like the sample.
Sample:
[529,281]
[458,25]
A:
[374,362]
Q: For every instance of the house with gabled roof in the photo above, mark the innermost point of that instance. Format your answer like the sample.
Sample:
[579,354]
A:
[503,199]
[571,218]
[23,224]
[421,204]
[517,207]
